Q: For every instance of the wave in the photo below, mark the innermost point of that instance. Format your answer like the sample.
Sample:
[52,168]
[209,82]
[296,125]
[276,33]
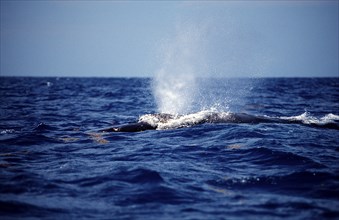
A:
[164,121]
[308,183]
[307,119]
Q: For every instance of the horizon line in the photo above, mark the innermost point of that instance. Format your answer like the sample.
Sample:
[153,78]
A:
[149,77]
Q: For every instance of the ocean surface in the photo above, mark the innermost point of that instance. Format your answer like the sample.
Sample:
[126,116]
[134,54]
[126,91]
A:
[55,163]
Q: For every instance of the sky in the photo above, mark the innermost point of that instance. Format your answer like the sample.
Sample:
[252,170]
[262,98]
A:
[137,38]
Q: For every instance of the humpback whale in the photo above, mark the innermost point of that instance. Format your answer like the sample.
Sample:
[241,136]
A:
[162,121]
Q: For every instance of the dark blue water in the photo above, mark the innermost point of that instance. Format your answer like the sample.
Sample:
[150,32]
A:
[55,164]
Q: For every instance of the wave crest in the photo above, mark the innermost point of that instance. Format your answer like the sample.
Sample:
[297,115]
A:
[308,119]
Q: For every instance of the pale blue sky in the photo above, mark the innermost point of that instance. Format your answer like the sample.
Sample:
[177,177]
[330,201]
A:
[127,39]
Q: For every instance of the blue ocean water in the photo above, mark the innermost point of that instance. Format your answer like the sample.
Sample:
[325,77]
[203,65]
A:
[56,164]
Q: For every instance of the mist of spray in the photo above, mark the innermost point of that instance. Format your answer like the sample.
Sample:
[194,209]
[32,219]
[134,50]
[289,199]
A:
[198,59]
[175,84]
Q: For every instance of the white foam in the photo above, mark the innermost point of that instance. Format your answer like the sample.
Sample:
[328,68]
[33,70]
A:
[306,118]
[7,131]
[178,121]
[183,121]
